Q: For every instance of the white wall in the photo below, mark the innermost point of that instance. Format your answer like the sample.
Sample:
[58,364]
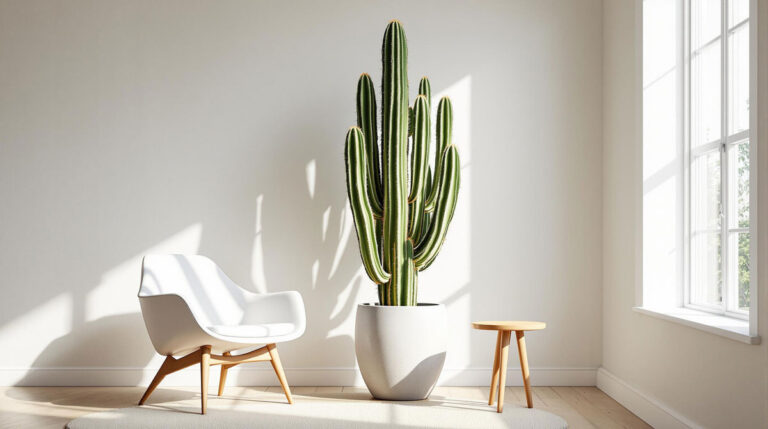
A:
[176,126]
[666,372]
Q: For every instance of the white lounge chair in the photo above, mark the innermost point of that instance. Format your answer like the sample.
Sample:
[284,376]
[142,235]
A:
[192,308]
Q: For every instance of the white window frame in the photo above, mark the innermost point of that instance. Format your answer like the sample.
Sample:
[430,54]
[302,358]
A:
[741,328]
[723,144]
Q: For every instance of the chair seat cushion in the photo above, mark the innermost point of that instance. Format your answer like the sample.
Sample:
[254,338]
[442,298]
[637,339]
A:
[254,331]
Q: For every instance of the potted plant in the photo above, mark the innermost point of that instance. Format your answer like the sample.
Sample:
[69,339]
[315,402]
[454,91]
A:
[402,212]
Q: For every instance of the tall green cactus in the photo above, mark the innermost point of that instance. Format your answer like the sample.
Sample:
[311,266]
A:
[401,209]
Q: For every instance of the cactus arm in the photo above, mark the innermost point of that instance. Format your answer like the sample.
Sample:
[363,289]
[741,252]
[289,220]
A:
[419,167]
[426,217]
[361,210]
[425,89]
[428,181]
[420,146]
[446,204]
[366,120]
[444,136]
[416,218]
[425,225]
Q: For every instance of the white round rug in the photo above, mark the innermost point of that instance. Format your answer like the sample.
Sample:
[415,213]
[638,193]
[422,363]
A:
[338,411]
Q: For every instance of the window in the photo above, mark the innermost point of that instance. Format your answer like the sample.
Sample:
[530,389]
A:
[698,151]
[717,112]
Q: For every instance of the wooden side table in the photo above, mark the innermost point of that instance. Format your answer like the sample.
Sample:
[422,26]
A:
[499,376]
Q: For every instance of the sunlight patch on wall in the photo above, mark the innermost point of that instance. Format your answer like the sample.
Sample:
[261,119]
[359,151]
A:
[311,172]
[315,271]
[663,175]
[326,218]
[116,294]
[257,263]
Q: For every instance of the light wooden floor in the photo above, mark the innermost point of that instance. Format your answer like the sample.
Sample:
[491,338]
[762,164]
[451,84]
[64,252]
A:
[53,407]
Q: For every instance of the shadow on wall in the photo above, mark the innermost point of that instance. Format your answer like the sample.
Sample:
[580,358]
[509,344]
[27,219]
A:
[94,344]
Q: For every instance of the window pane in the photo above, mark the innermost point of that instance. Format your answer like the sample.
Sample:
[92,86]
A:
[738,80]
[705,192]
[706,275]
[738,267]
[705,95]
[706,270]
[738,185]
[738,10]
[743,271]
[705,22]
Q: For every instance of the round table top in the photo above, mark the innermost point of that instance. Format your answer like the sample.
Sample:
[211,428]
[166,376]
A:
[509,325]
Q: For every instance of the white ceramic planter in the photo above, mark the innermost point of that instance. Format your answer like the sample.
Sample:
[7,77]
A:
[401,350]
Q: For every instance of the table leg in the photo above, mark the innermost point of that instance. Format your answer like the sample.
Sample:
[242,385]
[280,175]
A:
[503,354]
[524,366]
[495,372]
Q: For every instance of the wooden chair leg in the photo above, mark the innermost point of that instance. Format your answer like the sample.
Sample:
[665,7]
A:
[205,359]
[223,377]
[171,365]
[503,354]
[278,367]
[495,372]
[524,366]
[164,370]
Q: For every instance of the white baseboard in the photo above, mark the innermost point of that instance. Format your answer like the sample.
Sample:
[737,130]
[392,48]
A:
[260,375]
[645,406]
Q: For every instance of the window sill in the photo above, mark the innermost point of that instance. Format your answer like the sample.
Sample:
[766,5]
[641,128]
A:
[735,329]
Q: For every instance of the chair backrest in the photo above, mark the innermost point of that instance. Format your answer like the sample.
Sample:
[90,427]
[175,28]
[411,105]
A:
[212,297]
